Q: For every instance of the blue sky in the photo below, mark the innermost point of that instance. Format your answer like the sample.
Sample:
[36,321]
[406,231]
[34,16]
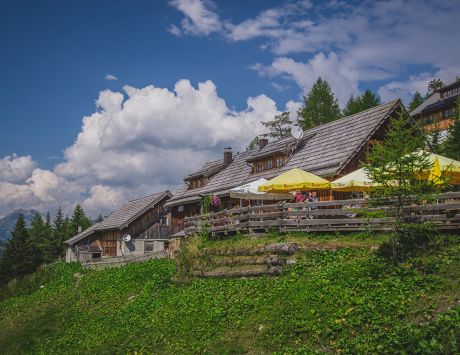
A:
[146,129]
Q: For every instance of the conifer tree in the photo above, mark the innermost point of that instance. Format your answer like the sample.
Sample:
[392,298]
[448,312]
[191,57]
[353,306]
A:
[60,234]
[352,106]
[452,144]
[320,106]
[38,237]
[369,99]
[396,166]
[19,256]
[366,100]
[79,219]
[417,100]
[279,127]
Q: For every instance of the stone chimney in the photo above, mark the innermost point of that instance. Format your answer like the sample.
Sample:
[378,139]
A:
[228,156]
[79,229]
[263,142]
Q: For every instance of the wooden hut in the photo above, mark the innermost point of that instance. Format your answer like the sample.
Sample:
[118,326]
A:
[143,219]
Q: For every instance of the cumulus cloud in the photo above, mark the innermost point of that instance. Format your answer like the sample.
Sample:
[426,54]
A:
[373,41]
[137,142]
[406,89]
[158,133]
[200,18]
[42,190]
[342,80]
[110,77]
[14,168]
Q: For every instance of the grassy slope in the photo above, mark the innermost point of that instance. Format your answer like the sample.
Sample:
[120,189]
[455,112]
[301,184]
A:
[340,297]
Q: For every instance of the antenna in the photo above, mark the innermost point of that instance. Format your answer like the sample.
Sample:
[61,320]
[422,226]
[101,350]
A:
[126,238]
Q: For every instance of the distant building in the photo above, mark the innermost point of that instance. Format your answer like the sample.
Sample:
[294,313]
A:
[437,112]
[138,227]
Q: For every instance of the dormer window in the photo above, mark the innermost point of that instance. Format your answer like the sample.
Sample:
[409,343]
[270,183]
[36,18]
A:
[271,155]
[196,183]
[268,164]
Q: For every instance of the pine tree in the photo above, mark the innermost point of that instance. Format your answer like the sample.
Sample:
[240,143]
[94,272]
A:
[67,229]
[19,256]
[417,100]
[434,85]
[452,144]
[60,234]
[366,100]
[38,237]
[435,141]
[279,127]
[396,166]
[320,106]
[79,219]
[352,106]
[100,218]
[369,99]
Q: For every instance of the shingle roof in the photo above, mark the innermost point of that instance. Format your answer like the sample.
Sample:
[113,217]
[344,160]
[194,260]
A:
[440,104]
[324,150]
[124,215]
[281,146]
[207,170]
[434,97]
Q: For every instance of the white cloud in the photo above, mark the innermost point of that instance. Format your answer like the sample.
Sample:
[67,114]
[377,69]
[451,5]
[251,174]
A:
[14,168]
[374,41]
[200,19]
[42,190]
[342,80]
[110,77]
[405,89]
[138,142]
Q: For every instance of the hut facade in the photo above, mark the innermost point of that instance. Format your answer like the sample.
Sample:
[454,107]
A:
[144,220]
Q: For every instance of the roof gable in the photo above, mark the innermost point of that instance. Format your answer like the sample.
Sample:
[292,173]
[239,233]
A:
[123,216]
[280,146]
[207,170]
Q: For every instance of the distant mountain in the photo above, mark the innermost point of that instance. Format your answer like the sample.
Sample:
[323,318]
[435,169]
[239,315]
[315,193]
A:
[7,223]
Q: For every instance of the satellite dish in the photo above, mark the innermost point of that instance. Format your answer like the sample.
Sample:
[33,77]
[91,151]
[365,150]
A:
[126,238]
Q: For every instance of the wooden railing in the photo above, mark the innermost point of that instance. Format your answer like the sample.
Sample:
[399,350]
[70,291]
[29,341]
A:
[326,216]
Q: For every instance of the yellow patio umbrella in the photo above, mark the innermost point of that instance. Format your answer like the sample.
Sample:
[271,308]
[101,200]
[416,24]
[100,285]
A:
[356,181]
[435,172]
[295,179]
[443,166]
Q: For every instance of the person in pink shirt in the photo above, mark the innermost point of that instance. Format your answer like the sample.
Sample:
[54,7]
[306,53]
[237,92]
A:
[299,197]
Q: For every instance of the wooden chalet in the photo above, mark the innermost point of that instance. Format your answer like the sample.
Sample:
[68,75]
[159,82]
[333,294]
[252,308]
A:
[330,151]
[143,219]
[437,112]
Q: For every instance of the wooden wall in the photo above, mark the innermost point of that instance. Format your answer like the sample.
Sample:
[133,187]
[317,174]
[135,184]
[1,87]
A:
[108,240]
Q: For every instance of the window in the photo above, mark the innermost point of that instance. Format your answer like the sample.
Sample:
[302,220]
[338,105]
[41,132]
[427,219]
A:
[448,113]
[194,184]
[260,167]
[449,93]
[148,247]
[270,164]
[279,162]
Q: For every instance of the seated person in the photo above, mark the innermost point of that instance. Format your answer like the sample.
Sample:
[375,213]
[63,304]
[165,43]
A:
[299,197]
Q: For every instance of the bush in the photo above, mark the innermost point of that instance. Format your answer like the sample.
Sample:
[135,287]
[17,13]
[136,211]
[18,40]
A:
[408,240]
